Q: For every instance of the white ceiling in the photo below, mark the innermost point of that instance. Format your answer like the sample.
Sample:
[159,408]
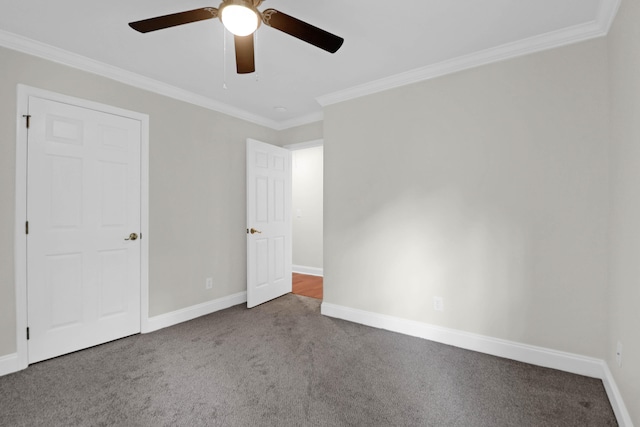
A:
[386,44]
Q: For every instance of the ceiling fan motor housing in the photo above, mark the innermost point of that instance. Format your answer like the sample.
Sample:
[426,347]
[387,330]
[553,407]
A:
[247,4]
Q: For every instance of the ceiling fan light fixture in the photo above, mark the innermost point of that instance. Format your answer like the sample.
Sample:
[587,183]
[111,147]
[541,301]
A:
[239,17]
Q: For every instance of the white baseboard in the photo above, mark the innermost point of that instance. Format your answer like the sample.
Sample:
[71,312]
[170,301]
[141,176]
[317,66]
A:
[9,364]
[617,403]
[540,356]
[312,271]
[190,313]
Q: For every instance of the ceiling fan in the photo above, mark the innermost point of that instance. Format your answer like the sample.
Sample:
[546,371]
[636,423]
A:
[242,18]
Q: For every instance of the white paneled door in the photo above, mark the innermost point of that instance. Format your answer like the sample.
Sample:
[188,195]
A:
[83,241]
[268,222]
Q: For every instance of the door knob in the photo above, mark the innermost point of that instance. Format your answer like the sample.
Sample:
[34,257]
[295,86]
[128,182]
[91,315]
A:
[254,231]
[132,236]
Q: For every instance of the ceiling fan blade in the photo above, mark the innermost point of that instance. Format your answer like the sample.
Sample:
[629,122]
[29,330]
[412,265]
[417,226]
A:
[166,21]
[245,62]
[302,30]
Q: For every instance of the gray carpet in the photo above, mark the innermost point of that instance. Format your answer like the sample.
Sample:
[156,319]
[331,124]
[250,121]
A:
[283,364]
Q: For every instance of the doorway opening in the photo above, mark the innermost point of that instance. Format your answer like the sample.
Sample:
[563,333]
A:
[307,215]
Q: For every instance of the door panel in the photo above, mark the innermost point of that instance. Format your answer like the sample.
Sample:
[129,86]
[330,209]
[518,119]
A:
[112,281]
[83,200]
[65,176]
[64,289]
[269,211]
[113,208]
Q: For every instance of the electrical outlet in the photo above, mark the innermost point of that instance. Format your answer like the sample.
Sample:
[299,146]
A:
[209,283]
[619,354]
[438,303]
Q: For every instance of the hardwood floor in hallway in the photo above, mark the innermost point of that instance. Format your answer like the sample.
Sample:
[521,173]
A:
[308,286]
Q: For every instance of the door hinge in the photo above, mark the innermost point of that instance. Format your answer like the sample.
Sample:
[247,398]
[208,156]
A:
[27,333]
[28,117]
[26,227]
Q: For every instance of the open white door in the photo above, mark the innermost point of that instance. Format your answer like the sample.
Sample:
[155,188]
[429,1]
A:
[268,222]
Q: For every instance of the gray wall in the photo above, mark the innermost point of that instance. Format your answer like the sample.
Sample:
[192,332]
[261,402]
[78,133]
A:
[307,195]
[197,187]
[304,133]
[624,291]
[488,188]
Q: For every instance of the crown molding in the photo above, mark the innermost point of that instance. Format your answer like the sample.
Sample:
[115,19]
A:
[42,50]
[598,28]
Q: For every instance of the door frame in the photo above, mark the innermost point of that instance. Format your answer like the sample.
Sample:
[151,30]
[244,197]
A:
[20,241]
[307,144]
